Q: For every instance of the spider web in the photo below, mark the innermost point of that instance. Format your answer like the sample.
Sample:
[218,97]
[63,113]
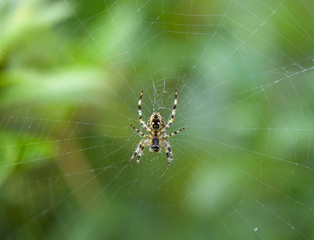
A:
[242,169]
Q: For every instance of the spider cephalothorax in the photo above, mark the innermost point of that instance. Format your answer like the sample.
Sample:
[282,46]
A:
[156,121]
[157,136]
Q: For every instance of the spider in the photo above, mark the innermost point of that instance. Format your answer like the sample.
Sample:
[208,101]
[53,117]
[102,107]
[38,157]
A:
[157,137]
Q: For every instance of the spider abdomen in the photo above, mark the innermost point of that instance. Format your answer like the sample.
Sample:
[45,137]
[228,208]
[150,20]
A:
[155,144]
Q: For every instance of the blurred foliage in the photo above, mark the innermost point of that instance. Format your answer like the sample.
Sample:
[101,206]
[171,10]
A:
[70,77]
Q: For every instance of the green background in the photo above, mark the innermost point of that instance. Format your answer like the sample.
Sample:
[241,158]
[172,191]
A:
[70,77]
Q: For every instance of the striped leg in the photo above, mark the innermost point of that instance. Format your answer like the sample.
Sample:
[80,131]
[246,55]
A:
[138,131]
[139,155]
[140,113]
[176,132]
[138,152]
[173,111]
[169,153]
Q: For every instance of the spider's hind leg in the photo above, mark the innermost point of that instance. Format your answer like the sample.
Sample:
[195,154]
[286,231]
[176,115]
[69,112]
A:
[138,152]
[169,153]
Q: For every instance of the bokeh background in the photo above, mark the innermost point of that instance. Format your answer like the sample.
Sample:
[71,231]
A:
[70,76]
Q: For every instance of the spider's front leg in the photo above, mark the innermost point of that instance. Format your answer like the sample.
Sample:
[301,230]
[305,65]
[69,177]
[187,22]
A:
[176,132]
[173,111]
[138,131]
[140,116]
[138,151]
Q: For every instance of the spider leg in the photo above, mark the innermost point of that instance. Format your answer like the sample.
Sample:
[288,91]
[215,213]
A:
[139,155]
[138,152]
[169,153]
[173,111]
[140,113]
[176,132]
[138,131]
